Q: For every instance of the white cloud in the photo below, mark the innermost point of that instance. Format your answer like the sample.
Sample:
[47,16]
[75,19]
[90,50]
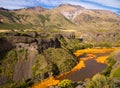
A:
[15,4]
[50,2]
[111,3]
[22,3]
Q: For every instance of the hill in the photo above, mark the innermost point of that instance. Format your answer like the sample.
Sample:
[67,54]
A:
[37,43]
[64,17]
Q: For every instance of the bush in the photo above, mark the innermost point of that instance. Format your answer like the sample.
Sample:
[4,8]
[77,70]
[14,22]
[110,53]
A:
[67,65]
[104,44]
[111,62]
[98,81]
[66,83]
[23,84]
[79,46]
[116,72]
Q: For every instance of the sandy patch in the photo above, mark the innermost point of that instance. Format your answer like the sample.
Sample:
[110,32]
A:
[4,30]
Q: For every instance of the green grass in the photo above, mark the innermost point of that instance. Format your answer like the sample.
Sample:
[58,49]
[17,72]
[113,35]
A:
[9,15]
[15,26]
[53,60]
[7,63]
[111,63]
[101,81]
[104,44]
[116,72]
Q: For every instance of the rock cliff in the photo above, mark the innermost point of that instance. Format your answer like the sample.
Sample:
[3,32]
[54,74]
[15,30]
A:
[28,57]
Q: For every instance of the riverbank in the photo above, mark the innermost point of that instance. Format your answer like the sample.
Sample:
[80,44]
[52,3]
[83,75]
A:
[90,54]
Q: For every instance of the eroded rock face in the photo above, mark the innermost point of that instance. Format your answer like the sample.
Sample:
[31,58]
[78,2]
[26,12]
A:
[5,44]
[23,67]
[33,47]
[28,42]
[27,49]
[98,36]
[46,43]
[69,35]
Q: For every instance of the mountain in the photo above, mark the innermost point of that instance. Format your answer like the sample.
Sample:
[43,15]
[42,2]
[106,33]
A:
[29,54]
[65,16]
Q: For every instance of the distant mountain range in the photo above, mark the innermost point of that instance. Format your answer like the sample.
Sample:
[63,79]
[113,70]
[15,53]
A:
[64,17]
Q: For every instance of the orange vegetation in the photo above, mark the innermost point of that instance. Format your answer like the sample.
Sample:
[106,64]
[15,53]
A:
[90,54]
[54,81]
[94,51]
[79,66]
[46,83]
[102,59]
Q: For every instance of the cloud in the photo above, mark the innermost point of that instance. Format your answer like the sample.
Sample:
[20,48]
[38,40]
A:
[110,3]
[15,4]
[113,5]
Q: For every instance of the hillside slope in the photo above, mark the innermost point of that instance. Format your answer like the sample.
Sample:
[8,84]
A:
[65,16]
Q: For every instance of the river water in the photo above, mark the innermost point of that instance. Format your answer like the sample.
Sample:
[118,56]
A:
[92,67]
[91,62]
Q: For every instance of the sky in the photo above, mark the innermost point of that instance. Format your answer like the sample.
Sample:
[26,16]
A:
[112,5]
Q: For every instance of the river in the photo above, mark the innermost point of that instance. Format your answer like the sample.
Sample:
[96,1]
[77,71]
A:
[91,62]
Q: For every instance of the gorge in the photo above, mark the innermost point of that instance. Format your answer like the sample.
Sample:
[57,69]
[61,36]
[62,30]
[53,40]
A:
[41,47]
[89,59]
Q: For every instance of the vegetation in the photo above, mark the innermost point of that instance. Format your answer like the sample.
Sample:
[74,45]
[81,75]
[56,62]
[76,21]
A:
[43,20]
[66,83]
[22,84]
[53,61]
[9,15]
[111,63]
[115,72]
[74,44]
[104,44]
[101,81]
[15,26]
[109,78]
[7,64]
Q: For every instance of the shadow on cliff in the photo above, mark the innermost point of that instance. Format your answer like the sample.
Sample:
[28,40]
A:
[5,46]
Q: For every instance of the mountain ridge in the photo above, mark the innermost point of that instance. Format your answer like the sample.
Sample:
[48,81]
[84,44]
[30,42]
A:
[60,5]
[65,16]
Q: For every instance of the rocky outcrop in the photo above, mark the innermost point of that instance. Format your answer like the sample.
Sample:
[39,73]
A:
[1,20]
[5,44]
[27,50]
[23,67]
[46,43]
[98,37]
[27,42]
[68,35]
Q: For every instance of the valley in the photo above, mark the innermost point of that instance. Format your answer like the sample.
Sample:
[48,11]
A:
[90,54]
[68,46]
